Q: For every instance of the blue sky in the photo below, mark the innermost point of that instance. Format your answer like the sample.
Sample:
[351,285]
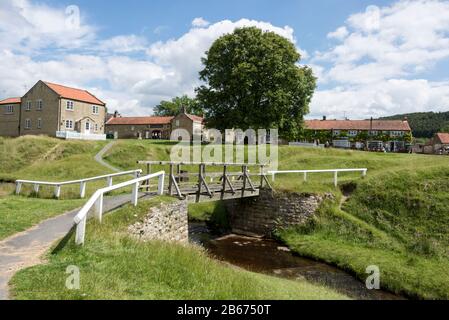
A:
[372,58]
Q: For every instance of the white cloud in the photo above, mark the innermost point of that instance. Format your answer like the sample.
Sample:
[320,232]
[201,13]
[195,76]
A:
[339,34]
[25,26]
[200,22]
[380,55]
[108,67]
[384,98]
[123,44]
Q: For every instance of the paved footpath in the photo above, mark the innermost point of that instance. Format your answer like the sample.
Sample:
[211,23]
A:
[99,157]
[25,249]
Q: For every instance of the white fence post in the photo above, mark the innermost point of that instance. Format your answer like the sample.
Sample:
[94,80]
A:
[305,176]
[109,181]
[99,208]
[57,192]
[135,194]
[82,189]
[364,172]
[273,177]
[80,231]
[18,187]
[160,186]
[36,188]
[336,178]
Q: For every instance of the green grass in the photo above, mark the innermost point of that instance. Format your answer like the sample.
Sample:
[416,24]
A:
[47,159]
[18,213]
[397,217]
[397,221]
[115,266]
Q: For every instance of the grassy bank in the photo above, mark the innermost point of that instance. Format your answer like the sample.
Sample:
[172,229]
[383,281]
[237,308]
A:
[115,266]
[48,159]
[397,221]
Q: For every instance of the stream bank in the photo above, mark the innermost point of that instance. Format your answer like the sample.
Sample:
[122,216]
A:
[269,257]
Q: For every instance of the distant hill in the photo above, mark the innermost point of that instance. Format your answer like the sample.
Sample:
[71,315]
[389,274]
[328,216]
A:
[424,124]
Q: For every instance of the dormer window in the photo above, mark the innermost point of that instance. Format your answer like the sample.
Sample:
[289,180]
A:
[69,106]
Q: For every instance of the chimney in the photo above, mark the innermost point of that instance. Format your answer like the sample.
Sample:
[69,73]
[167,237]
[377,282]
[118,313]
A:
[405,119]
[324,118]
[115,114]
[371,124]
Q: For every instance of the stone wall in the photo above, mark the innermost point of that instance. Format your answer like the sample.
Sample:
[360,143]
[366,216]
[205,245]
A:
[167,222]
[262,215]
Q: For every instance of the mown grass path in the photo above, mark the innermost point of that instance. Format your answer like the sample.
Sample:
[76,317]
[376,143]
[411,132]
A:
[25,249]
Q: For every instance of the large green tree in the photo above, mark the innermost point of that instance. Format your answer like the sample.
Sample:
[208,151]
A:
[253,80]
[173,107]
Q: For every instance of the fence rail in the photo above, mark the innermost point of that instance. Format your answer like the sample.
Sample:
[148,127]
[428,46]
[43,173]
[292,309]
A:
[97,201]
[364,172]
[81,182]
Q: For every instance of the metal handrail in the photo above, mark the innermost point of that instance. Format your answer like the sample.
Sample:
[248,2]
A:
[97,200]
[364,172]
[82,182]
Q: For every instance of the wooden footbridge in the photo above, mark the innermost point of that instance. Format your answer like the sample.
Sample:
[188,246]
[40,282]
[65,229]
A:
[196,183]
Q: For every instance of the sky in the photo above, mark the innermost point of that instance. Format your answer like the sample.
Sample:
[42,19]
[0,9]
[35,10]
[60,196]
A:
[371,58]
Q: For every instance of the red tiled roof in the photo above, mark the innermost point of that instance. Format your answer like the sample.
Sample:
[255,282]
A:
[139,120]
[11,101]
[195,118]
[75,94]
[380,125]
[443,137]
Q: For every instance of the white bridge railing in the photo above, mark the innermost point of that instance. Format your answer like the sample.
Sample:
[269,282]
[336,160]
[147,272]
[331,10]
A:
[97,201]
[364,172]
[81,182]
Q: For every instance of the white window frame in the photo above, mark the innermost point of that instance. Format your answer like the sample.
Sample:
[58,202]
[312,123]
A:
[28,106]
[96,127]
[70,105]
[9,109]
[353,133]
[69,124]
[39,123]
[177,123]
[27,124]
[337,132]
[87,126]
[39,105]
[373,132]
[95,110]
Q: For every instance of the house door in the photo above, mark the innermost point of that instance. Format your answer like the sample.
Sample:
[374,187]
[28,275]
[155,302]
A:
[87,131]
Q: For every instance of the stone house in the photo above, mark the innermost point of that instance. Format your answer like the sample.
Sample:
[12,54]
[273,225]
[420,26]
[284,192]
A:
[139,127]
[10,117]
[439,144]
[374,135]
[194,125]
[154,127]
[57,111]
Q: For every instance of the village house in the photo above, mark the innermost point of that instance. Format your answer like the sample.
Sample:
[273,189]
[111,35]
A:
[139,127]
[439,144]
[53,110]
[373,135]
[154,127]
[10,117]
